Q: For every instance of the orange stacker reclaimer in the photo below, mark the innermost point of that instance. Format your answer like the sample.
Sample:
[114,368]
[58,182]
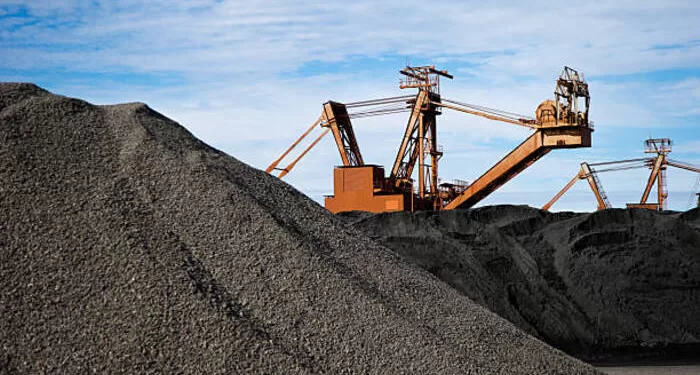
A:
[657,164]
[559,123]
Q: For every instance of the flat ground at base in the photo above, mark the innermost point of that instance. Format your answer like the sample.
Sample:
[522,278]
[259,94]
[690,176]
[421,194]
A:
[667,367]
[652,370]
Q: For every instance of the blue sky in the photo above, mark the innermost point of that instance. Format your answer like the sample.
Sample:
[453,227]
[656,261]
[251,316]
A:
[249,77]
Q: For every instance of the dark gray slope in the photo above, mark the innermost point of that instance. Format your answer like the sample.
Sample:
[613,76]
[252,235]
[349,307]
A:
[609,283]
[127,245]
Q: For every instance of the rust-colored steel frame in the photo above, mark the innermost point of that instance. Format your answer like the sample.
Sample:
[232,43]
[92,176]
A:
[587,173]
[420,136]
[291,165]
[406,157]
[681,165]
[337,119]
[419,140]
[656,175]
[510,166]
[596,186]
[561,192]
[570,87]
[659,146]
[424,78]
[428,172]
[572,130]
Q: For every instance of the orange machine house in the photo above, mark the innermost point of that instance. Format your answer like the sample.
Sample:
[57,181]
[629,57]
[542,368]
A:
[363,188]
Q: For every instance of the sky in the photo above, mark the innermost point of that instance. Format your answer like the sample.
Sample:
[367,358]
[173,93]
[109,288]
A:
[248,77]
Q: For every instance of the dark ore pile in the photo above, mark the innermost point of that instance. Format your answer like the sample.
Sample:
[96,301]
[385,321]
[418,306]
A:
[606,285]
[129,246]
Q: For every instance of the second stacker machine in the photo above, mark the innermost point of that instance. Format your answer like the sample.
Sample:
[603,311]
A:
[661,147]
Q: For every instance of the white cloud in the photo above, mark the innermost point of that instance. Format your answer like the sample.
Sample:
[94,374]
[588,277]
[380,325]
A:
[234,36]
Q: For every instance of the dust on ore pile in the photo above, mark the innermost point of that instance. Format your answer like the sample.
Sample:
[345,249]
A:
[129,246]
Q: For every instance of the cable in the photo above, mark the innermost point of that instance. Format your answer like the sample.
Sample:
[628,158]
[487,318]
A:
[682,165]
[619,161]
[512,115]
[378,112]
[618,168]
[379,101]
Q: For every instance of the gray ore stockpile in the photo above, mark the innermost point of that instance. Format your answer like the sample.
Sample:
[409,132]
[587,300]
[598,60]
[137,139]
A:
[609,284]
[127,245]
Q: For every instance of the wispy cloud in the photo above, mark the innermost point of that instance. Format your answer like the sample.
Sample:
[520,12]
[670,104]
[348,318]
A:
[273,36]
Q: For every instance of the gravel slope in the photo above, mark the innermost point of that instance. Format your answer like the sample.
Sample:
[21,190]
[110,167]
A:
[129,246]
[613,283]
